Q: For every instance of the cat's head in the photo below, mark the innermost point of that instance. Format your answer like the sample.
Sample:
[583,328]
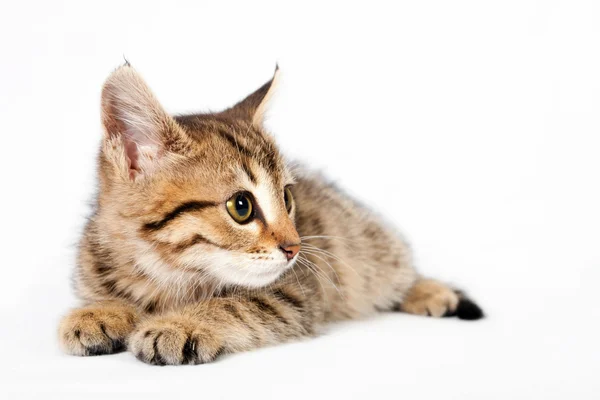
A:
[205,193]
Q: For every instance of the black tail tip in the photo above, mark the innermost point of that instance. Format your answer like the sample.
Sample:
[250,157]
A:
[468,310]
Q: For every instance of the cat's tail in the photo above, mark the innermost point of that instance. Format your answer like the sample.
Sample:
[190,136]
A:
[466,309]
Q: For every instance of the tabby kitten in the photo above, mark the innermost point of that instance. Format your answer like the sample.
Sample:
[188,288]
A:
[205,242]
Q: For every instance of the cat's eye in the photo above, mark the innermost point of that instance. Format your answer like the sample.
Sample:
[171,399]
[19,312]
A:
[288,199]
[240,207]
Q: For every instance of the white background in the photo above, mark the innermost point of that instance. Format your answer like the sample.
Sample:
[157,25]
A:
[473,125]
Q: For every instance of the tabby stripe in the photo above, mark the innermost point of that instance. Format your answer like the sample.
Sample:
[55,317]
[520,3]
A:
[267,158]
[197,238]
[287,298]
[267,309]
[150,307]
[183,208]
[101,268]
[242,149]
[249,172]
[102,259]
[230,308]
[234,142]
[270,161]
[111,286]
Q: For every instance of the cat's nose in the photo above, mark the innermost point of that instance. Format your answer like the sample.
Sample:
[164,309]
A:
[290,250]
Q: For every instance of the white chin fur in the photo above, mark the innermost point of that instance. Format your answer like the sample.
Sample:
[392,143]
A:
[254,275]
[240,269]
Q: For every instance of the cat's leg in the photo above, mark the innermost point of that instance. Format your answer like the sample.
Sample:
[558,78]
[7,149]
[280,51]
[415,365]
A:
[201,332]
[432,298]
[100,328]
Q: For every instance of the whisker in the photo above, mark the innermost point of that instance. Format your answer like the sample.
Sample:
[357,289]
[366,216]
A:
[323,274]
[298,280]
[324,260]
[305,264]
[330,254]
[341,238]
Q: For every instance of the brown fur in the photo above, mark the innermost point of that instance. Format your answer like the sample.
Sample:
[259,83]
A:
[164,269]
[428,297]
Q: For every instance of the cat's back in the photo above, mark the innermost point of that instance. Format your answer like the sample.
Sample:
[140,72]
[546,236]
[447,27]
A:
[361,255]
[323,208]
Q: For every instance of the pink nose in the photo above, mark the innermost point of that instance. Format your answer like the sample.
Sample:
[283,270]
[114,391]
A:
[290,250]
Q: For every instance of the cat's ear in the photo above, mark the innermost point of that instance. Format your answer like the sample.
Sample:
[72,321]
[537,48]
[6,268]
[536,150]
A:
[253,107]
[138,130]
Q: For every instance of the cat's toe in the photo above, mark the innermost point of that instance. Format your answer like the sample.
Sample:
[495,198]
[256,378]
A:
[174,341]
[95,331]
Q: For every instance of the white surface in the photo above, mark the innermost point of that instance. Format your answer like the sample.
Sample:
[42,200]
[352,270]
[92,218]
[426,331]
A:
[473,125]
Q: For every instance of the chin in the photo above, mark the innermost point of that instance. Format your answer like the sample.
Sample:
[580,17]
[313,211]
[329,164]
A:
[255,275]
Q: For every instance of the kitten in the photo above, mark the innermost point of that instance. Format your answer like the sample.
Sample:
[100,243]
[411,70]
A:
[204,242]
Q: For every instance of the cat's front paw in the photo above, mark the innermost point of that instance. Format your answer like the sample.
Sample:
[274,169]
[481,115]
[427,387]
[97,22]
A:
[174,340]
[96,330]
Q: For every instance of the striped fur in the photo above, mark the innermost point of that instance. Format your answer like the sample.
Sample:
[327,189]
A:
[164,271]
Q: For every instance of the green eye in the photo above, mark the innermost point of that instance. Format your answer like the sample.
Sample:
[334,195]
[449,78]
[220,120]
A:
[288,199]
[240,207]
